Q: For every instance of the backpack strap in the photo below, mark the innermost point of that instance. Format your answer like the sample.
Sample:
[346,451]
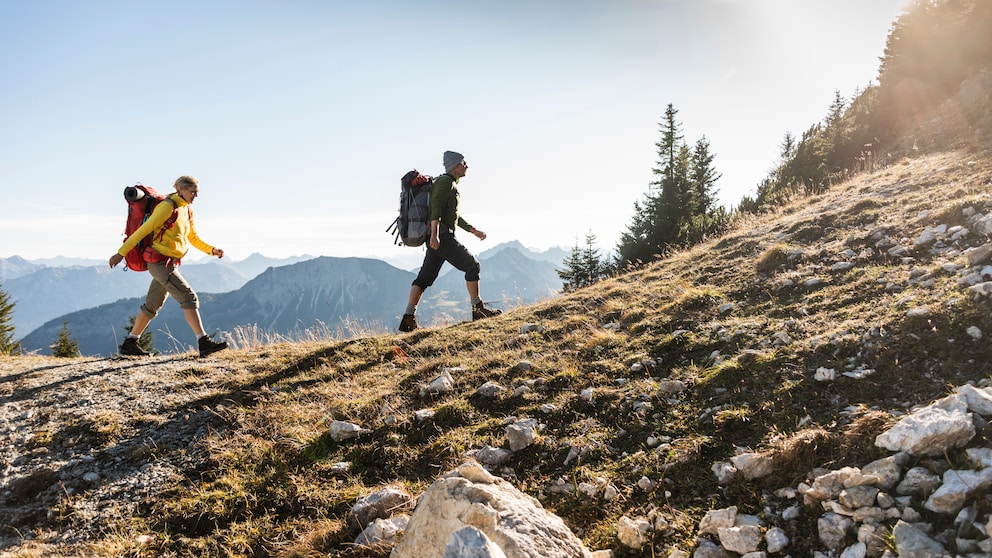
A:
[171,221]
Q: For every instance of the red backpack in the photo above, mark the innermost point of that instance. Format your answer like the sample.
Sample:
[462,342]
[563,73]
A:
[141,201]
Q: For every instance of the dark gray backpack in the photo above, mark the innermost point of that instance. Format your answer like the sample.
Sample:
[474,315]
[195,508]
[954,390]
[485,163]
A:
[412,227]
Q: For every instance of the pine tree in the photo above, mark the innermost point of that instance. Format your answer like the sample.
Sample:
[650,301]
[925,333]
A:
[679,208]
[703,179]
[671,208]
[65,346]
[583,266]
[8,346]
[592,264]
[145,340]
[655,222]
[571,271]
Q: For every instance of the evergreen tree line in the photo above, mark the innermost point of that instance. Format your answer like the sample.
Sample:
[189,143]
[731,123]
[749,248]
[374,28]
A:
[680,207]
[679,210]
[932,47]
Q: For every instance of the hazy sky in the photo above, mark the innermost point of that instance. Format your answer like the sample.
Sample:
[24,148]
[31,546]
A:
[299,117]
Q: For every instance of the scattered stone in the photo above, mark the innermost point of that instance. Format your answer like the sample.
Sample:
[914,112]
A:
[491,456]
[740,539]
[753,465]
[521,434]
[341,430]
[910,542]
[633,533]
[715,519]
[646,484]
[380,504]
[929,431]
[382,531]
[490,389]
[444,383]
[825,374]
[522,366]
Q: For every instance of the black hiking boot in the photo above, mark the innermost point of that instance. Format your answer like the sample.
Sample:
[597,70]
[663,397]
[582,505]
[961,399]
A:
[479,311]
[208,346]
[130,347]
[408,323]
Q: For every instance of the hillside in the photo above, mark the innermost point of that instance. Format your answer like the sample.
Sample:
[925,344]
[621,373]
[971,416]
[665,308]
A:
[642,383]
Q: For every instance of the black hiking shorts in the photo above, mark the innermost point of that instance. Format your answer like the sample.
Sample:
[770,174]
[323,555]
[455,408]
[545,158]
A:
[451,251]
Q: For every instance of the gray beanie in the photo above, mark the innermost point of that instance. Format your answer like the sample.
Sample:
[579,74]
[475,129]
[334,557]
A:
[451,160]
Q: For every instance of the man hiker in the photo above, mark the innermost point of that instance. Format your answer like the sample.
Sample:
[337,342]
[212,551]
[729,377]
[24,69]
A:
[163,257]
[444,247]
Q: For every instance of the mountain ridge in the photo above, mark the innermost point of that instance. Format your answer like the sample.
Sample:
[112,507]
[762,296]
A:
[318,296]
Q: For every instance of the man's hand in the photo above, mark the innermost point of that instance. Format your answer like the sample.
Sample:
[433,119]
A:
[479,234]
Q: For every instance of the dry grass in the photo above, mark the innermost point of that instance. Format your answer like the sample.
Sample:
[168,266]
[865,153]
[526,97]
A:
[269,490]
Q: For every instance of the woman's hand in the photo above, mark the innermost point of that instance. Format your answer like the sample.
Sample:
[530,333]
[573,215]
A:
[115,259]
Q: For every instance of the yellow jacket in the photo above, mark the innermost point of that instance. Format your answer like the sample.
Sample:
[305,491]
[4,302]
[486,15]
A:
[177,239]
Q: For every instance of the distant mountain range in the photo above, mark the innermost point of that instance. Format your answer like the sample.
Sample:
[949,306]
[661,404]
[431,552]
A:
[294,299]
[42,292]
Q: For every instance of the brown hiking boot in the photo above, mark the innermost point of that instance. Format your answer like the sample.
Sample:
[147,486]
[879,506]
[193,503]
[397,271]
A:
[208,346]
[130,347]
[479,311]
[408,323]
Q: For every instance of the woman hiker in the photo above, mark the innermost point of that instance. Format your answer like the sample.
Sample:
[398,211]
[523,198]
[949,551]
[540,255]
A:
[163,257]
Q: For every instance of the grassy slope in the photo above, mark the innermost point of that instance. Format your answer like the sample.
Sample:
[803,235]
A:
[268,488]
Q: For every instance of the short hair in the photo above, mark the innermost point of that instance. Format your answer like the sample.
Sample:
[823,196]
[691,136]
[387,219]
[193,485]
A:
[186,182]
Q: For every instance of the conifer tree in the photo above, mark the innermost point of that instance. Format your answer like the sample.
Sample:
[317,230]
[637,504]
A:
[703,179]
[583,266]
[8,346]
[571,270]
[65,346]
[592,264]
[679,208]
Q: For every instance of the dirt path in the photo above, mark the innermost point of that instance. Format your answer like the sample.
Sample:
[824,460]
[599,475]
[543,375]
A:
[86,441]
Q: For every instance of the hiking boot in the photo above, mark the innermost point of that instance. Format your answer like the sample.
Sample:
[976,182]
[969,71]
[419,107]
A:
[408,323]
[130,347]
[479,311]
[208,346]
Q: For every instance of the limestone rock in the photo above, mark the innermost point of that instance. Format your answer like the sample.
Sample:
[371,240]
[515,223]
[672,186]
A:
[633,533]
[512,520]
[382,531]
[521,434]
[715,519]
[929,431]
[380,504]
[912,543]
[340,430]
[469,542]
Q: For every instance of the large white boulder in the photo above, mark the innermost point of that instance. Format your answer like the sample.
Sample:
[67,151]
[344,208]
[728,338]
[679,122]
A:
[512,520]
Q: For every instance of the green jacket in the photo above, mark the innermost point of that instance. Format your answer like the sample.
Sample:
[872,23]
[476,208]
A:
[444,203]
